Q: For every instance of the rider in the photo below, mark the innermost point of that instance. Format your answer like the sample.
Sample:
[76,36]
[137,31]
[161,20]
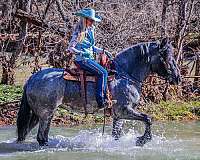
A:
[83,46]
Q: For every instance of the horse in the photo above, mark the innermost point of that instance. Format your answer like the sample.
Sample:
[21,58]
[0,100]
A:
[45,90]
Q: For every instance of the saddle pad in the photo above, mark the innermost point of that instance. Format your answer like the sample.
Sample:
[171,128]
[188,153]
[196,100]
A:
[68,76]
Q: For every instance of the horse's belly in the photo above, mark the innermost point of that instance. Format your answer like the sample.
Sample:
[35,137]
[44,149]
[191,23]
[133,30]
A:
[73,96]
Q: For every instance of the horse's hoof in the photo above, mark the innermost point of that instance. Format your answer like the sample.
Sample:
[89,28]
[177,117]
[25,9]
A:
[43,144]
[116,138]
[19,142]
[142,140]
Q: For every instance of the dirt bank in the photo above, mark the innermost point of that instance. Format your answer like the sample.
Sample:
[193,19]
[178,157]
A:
[65,117]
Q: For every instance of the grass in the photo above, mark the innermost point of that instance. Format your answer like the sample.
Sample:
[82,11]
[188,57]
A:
[10,93]
[173,110]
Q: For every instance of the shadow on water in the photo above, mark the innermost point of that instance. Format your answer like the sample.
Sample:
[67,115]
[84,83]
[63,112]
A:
[171,140]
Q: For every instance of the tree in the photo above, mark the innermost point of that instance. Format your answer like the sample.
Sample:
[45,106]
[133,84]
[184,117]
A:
[163,17]
[8,66]
[185,11]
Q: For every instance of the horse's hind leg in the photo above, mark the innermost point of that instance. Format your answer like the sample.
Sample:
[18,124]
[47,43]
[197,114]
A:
[43,131]
[117,128]
[33,121]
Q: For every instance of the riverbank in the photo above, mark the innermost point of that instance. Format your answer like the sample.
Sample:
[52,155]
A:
[164,111]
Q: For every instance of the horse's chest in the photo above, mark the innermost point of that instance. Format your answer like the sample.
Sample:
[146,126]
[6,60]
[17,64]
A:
[125,92]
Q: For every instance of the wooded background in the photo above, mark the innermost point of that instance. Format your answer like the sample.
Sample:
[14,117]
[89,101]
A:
[35,33]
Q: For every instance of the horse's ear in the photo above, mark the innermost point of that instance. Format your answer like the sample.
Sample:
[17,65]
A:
[164,42]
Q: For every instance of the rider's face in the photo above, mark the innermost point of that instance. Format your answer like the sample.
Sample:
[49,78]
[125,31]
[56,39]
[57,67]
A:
[89,22]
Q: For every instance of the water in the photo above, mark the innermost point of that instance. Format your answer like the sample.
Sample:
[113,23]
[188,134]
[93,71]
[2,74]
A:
[171,141]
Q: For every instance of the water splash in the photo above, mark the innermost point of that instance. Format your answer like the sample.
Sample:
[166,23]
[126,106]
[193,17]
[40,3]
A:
[86,140]
[91,140]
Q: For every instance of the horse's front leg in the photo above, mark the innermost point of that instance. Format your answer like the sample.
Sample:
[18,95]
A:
[147,134]
[130,114]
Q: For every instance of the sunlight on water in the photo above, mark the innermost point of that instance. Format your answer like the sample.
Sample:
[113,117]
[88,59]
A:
[175,141]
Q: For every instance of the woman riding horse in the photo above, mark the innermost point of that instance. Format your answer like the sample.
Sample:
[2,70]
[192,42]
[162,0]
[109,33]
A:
[45,90]
[83,46]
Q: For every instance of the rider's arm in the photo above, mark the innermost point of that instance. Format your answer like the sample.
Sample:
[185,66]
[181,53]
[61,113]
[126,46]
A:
[72,44]
[97,49]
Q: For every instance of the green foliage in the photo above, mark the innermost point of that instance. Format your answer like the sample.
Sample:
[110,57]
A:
[195,103]
[10,93]
[171,110]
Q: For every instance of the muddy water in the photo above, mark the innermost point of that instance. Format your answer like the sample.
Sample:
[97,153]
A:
[171,141]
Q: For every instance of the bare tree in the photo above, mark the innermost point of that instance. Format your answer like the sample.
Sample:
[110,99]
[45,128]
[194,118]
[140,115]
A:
[183,22]
[163,18]
[8,72]
[124,23]
[197,71]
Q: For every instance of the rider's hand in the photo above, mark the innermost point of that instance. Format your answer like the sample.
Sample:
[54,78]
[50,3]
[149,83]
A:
[109,55]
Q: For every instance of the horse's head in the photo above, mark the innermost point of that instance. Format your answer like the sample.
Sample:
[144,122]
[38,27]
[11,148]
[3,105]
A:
[164,64]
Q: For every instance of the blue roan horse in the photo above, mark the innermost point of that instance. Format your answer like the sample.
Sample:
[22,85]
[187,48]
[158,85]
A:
[46,90]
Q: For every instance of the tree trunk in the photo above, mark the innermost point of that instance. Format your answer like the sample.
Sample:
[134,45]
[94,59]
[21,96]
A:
[4,8]
[183,23]
[8,74]
[61,10]
[164,11]
[4,79]
[181,18]
[197,72]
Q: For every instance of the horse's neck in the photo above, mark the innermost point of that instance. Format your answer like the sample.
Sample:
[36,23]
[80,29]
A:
[133,63]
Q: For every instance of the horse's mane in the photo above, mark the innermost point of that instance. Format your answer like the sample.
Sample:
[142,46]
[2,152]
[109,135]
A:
[143,46]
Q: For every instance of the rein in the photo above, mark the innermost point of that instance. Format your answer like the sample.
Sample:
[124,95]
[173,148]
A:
[124,76]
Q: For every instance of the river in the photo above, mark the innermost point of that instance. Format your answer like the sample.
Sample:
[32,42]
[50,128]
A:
[171,141]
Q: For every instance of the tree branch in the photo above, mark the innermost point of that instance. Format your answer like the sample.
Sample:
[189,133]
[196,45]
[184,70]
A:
[30,18]
[62,11]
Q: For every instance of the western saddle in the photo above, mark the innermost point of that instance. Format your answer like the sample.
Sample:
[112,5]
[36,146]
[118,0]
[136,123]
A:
[73,72]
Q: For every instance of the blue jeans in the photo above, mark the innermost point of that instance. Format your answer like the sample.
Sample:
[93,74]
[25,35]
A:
[93,67]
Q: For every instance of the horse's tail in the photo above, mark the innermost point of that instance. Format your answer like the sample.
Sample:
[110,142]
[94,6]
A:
[26,119]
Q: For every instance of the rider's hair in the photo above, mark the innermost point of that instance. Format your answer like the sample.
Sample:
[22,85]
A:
[80,28]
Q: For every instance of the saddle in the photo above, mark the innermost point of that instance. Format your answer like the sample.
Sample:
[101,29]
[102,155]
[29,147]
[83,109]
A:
[73,72]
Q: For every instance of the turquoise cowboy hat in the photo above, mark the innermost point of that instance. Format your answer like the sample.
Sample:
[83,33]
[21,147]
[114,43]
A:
[88,13]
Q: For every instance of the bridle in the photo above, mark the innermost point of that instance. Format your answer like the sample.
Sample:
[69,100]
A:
[160,54]
[166,65]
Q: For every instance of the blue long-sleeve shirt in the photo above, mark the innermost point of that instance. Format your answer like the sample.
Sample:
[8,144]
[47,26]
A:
[83,44]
